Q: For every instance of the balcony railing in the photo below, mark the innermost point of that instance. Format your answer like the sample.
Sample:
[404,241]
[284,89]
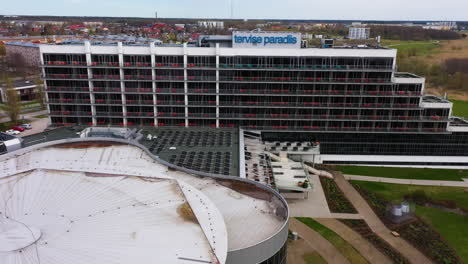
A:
[137,64]
[342,129]
[67,89]
[66,76]
[68,101]
[70,113]
[274,79]
[141,90]
[222,66]
[138,77]
[305,67]
[107,89]
[65,63]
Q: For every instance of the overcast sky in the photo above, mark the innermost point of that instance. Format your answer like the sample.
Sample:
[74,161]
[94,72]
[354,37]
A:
[269,9]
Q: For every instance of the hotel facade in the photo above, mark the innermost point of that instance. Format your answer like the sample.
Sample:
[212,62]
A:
[350,99]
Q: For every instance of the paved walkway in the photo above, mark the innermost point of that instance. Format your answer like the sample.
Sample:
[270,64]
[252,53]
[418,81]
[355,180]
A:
[345,216]
[407,250]
[317,242]
[407,181]
[314,206]
[366,249]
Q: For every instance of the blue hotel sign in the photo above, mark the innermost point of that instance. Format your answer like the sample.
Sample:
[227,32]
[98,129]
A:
[266,40]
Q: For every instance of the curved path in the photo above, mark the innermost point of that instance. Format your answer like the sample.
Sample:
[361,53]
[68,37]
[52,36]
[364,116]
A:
[374,222]
[317,242]
[407,181]
[366,249]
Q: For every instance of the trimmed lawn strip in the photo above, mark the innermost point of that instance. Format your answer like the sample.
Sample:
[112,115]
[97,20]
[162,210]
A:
[345,248]
[337,201]
[418,233]
[314,258]
[361,227]
[41,116]
[406,173]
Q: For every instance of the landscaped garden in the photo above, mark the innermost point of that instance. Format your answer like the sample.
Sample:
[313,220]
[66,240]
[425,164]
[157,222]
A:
[361,227]
[336,200]
[440,234]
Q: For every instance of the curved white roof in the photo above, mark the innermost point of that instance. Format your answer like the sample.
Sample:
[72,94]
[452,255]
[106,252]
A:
[108,203]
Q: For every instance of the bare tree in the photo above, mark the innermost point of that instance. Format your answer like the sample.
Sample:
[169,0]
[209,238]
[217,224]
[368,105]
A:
[17,61]
[12,105]
[40,93]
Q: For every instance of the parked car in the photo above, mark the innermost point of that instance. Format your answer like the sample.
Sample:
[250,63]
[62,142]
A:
[26,126]
[18,128]
[12,132]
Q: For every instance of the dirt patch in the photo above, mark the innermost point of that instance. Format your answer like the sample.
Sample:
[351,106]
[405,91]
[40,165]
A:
[247,189]
[186,212]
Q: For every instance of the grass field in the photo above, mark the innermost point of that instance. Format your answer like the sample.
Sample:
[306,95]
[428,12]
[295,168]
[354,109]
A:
[314,258]
[452,227]
[346,249]
[421,48]
[460,108]
[41,116]
[406,173]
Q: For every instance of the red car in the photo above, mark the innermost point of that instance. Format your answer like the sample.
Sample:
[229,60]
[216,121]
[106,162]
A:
[18,128]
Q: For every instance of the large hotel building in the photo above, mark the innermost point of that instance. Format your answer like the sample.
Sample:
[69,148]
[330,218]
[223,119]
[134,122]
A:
[350,99]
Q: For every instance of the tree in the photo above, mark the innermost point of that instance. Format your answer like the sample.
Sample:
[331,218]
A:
[17,61]
[12,105]
[39,92]
[2,50]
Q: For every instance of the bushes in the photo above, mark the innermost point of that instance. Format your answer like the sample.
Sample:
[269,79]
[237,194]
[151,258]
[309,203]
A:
[337,201]
[429,241]
[412,33]
[418,233]
[361,227]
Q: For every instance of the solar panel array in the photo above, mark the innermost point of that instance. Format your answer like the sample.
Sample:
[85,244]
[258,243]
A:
[209,151]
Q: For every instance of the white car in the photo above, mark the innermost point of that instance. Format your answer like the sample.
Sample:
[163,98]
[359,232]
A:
[26,126]
[12,132]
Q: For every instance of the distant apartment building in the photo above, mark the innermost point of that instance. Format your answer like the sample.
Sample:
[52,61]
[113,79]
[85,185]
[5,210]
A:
[444,25]
[211,24]
[28,52]
[359,33]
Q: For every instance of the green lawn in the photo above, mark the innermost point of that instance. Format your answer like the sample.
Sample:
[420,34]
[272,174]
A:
[452,227]
[314,258]
[41,116]
[346,249]
[406,173]
[395,192]
[460,108]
